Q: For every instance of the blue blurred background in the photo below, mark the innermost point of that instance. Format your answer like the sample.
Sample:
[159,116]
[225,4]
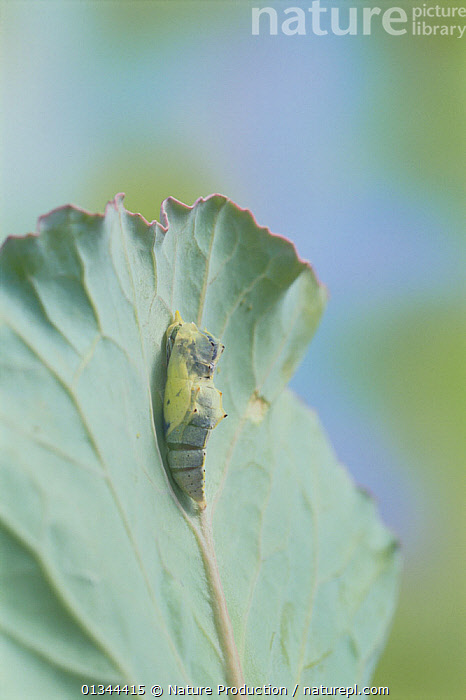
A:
[353,147]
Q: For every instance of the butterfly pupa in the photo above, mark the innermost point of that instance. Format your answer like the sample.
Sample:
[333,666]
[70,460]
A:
[192,405]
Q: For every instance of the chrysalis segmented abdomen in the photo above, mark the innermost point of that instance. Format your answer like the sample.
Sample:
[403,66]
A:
[192,404]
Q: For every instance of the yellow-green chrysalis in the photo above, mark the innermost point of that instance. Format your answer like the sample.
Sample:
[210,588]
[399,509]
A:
[192,406]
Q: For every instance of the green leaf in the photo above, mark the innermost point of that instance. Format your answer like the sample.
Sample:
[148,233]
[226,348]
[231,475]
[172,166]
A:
[109,573]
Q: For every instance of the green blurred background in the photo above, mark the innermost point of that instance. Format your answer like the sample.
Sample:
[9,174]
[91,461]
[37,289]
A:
[354,147]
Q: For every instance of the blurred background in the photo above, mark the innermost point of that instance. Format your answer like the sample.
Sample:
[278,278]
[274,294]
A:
[353,147]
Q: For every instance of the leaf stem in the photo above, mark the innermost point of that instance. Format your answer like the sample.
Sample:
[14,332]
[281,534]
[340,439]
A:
[233,668]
